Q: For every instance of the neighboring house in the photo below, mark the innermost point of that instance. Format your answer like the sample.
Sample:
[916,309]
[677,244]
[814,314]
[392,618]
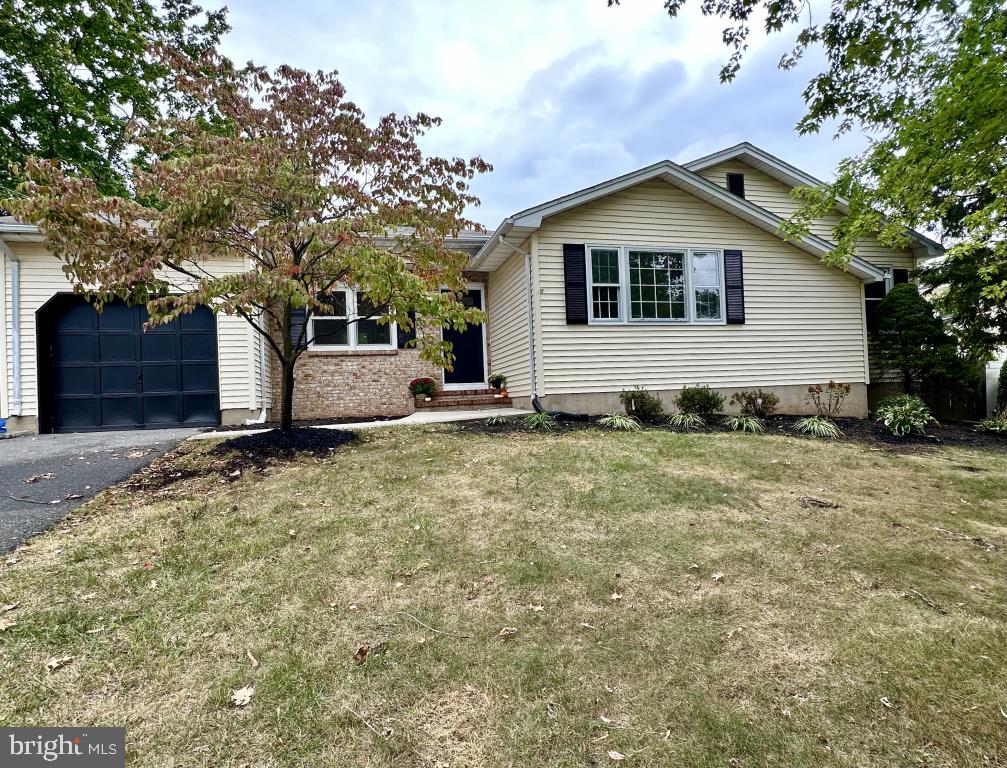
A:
[665,277]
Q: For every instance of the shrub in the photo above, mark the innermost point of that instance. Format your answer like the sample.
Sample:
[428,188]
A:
[642,405]
[684,420]
[996,424]
[497,381]
[541,422]
[760,404]
[699,400]
[903,414]
[621,422]
[423,386]
[745,423]
[832,403]
[819,426]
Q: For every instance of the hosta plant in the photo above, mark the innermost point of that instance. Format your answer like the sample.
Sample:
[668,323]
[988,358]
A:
[819,426]
[996,424]
[744,423]
[621,422]
[903,414]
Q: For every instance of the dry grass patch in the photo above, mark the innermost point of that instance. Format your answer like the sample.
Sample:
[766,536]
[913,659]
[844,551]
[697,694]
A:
[672,601]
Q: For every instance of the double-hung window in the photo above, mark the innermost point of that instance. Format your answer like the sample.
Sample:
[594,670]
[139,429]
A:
[352,324]
[656,285]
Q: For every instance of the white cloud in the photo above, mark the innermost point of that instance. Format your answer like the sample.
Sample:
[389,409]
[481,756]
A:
[557,94]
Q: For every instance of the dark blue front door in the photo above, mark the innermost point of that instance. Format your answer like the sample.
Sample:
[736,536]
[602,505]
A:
[470,356]
[102,371]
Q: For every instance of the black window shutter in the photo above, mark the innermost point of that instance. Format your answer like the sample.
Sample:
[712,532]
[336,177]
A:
[297,319]
[734,282]
[409,335]
[736,184]
[900,276]
[575,278]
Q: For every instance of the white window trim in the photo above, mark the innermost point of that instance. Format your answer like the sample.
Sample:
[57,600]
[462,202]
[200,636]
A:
[624,308]
[351,330]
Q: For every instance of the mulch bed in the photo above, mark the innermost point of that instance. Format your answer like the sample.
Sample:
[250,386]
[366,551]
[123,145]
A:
[303,423]
[261,448]
[863,431]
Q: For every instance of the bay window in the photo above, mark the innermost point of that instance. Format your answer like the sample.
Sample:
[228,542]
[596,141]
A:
[353,324]
[655,285]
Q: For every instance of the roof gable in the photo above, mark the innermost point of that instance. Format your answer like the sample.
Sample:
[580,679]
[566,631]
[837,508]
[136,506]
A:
[521,224]
[790,175]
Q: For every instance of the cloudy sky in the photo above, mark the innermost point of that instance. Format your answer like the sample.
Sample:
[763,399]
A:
[555,94]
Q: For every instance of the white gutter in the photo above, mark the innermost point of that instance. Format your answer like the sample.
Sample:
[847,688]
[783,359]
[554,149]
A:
[530,309]
[15,322]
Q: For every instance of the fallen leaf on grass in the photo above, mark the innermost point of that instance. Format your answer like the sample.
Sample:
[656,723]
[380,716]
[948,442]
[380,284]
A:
[6,624]
[8,608]
[361,655]
[252,660]
[242,696]
[615,596]
[613,755]
[585,625]
[536,608]
[886,702]
[54,663]
[507,632]
[718,576]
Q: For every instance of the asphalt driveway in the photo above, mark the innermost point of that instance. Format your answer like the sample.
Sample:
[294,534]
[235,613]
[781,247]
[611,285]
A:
[44,477]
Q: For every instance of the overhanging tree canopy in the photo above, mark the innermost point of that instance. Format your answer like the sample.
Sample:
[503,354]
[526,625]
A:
[295,186]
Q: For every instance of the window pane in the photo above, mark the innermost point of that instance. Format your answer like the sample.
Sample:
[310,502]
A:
[370,332]
[337,301]
[329,331]
[704,269]
[657,281]
[707,303]
[605,301]
[604,265]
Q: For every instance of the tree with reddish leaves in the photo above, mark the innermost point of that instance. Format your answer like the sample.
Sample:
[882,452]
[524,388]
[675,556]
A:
[292,183]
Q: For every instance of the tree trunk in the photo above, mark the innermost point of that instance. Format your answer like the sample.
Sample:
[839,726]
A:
[287,379]
[287,398]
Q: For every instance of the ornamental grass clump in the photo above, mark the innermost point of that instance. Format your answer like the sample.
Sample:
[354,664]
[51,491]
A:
[745,423]
[621,422]
[541,422]
[828,402]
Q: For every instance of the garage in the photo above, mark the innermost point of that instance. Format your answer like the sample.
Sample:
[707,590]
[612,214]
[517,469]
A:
[100,370]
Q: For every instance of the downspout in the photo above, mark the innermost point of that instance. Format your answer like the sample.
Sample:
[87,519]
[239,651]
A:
[530,309]
[15,321]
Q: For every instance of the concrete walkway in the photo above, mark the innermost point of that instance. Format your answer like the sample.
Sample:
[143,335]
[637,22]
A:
[419,417]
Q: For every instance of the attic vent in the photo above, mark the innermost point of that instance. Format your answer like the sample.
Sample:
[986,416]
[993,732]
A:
[736,184]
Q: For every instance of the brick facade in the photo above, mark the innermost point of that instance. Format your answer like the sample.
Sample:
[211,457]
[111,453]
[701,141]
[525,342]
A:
[330,385]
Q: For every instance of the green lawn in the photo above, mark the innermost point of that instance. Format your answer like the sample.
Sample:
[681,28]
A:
[673,600]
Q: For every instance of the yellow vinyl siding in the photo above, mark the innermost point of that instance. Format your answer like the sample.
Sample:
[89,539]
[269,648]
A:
[803,319]
[508,331]
[42,277]
[773,195]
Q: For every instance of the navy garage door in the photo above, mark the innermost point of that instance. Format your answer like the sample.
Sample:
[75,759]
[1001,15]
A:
[102,371]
